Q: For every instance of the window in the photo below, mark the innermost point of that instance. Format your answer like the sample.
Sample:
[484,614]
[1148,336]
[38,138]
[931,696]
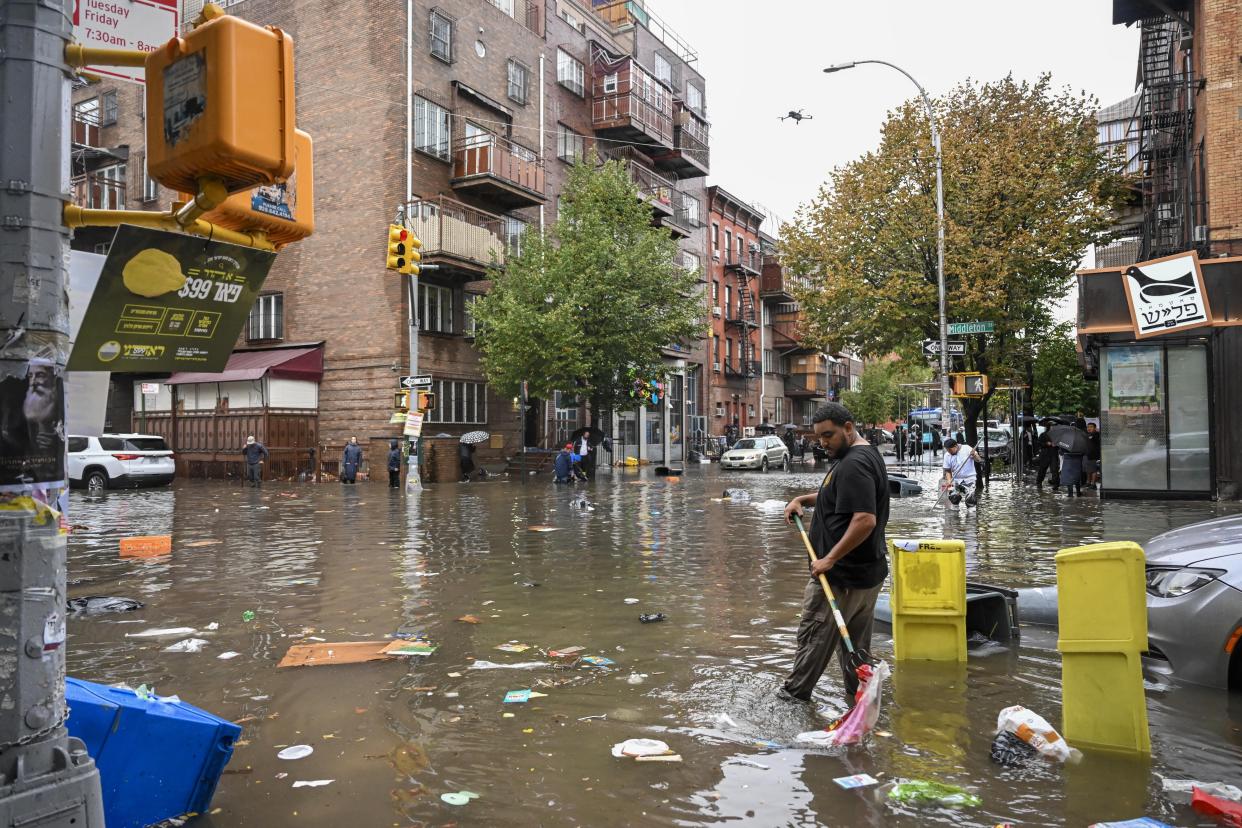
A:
[518,74]
[663,70]
[107,192]
[690,211]
[514,228]
[715,291]
[109,108]
[729,352]
[694,98]
[459,401]
[719,409]
[769,361]
[570,72]
[716,351]
[435,308]
[741,247]
[431,128]
[267,317]
[570,145]
[728,302]
[505,6]
[469,324]
[690,261]
[150,187]
[728,245]
[715,236]
[779,411]
[441,36]
[610,82]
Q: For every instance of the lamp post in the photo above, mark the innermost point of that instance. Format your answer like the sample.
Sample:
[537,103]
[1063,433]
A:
[944,328]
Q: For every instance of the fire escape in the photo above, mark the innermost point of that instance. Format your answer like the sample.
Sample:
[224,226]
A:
[747,270]
[1173,212]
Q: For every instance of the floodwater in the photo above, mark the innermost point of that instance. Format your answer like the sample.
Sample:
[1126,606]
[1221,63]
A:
[364,562]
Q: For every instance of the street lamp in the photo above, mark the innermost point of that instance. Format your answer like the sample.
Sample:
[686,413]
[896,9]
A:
[944,328]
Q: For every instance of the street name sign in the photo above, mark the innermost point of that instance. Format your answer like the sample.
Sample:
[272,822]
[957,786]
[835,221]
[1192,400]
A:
[144,25]
[416,382]
[971,327]
[957,347]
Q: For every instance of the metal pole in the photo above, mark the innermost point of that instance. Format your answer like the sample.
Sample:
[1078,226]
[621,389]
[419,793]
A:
[944,328]
[46,777]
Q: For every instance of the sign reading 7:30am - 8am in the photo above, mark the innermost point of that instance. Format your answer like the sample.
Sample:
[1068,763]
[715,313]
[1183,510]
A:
[144,25]
[168,302]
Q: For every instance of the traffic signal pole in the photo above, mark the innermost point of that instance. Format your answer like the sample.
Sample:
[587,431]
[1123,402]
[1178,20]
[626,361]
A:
[46,777]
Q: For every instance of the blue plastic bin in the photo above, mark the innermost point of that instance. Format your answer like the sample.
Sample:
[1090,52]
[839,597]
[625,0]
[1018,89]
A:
[156,759]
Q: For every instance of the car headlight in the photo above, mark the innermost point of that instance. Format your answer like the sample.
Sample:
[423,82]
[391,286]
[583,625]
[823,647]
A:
[1173,583]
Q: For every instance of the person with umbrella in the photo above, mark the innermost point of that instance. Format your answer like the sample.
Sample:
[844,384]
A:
[1074,445]
[465,450]
[1048,461]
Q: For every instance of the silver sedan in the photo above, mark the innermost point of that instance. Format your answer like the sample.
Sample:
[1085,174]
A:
[756,453]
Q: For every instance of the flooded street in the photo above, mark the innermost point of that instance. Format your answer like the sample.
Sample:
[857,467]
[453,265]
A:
[362,563]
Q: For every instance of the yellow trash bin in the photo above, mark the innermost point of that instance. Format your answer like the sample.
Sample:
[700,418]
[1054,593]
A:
[929,599]
[1102,615]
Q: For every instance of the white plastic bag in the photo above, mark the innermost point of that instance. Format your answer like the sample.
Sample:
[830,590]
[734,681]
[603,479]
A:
[1035,731]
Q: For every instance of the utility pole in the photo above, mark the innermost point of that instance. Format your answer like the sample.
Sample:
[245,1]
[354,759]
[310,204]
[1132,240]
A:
[46,777]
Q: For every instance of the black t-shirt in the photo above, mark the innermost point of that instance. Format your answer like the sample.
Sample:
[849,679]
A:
[858,483]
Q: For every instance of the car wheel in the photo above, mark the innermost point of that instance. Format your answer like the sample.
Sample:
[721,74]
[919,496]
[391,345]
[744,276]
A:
[763,465]
[96,480]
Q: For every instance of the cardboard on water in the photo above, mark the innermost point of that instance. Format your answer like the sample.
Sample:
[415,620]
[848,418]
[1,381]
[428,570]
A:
[346,652]
[146,546]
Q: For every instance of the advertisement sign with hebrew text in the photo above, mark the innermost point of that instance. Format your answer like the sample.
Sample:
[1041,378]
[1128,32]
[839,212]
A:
[1166,295]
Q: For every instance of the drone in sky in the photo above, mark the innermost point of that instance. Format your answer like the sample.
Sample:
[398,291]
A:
[797,116]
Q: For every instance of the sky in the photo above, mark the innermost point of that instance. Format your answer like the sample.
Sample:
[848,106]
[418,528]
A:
[763,59]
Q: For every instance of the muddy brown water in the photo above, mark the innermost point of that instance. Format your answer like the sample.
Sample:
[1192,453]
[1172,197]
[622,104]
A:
[364,562]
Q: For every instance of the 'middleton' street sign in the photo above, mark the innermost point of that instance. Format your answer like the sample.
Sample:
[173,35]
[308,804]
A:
[971,327]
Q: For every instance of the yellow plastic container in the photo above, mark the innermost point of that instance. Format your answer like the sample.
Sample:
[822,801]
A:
[285,212]
[929,599]
[1102,616]
[220,103]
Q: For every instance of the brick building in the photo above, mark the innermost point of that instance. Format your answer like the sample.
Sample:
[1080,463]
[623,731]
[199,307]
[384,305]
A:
[471,133]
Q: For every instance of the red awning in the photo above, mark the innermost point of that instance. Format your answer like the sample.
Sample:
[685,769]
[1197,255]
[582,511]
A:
[285,363]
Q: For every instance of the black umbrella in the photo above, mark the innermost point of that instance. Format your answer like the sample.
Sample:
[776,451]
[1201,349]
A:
[595,435]
[1070,439]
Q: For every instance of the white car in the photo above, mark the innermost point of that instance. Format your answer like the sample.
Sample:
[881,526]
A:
[756,453]
[112,461]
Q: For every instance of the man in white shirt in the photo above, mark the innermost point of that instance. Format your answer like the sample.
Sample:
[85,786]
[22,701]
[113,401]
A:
[960,472]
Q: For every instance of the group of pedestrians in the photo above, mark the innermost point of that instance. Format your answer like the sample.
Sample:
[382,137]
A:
[1071,469]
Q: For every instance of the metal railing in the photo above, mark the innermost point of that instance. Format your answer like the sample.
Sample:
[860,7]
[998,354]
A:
[651,185]
[450,228]
[692,136]
[494,156]
[628,95]
[621,13]
[748,262]
[98,192]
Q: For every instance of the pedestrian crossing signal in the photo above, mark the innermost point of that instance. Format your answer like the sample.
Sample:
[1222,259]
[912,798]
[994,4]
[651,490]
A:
[403,255]
[969,385]
[426,400]
[401,401]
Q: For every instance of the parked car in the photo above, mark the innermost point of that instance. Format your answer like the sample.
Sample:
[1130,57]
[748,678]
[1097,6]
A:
[112,461]
[756,453]
[1194,602]
[998,446]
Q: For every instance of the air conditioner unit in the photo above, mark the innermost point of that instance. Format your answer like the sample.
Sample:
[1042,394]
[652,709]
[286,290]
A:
[716,255]
[715,366]
[1200,233]
[748,431]
[716,311]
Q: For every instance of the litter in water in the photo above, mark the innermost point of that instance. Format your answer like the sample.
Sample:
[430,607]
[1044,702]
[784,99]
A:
[225,656]
[470,619]
[597,661]
[459,797]
[922,792]
[652,618]
[517,697]
[345,652]
[1010,751]
[521,665]
[1230,813]
[858,780]
[631,600]
[1035,731]
[640,747]
[162,632]
[635,678]
[98,605]
[513,647]
[853,727]
[411,648]
[561,652]
[146,546]
[188,645]
[247,615]
[1141,822]
[1187,786]
[668,757]
[295,752]
[313,783]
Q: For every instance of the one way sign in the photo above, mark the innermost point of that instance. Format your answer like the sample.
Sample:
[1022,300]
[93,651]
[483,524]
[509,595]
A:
[957,347]
[416,382]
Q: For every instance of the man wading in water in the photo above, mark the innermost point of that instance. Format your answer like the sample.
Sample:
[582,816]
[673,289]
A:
[847,533]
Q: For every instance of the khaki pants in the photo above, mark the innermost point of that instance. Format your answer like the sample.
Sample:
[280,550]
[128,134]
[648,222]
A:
[819,638]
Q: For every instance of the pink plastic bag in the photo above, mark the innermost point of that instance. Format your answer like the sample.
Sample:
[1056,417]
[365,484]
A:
[861,718]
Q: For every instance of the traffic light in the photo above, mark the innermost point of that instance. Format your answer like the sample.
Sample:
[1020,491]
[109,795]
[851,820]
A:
[426,400]
[969,385]
[403,255]
[401,401]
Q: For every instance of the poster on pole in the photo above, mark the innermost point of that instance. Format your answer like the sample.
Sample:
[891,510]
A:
[168,302]
[1166,295]
[32,426]
[143,25]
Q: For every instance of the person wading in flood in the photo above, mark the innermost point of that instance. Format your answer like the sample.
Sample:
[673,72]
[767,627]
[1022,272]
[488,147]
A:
[847,533]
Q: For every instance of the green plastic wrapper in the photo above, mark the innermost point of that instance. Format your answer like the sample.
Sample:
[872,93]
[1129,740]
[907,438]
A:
[922,792]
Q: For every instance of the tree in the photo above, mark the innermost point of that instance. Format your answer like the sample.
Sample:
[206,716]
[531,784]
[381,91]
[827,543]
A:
[1059,384]
[879,398]
[1026,190]
[587,307]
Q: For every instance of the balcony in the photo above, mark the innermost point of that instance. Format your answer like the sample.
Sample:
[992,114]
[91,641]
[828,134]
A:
[490,168]
[621,14]
[746,264]
[806,385]
[456,236]
[629,104]
[745,369]
[690,153]
[774,283]
[527,12]
[653,188]
[99,190]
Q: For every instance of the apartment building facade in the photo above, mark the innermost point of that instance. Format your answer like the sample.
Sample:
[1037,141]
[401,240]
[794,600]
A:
[468,136]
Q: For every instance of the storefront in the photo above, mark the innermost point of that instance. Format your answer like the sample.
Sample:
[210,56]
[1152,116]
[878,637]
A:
[1162,339]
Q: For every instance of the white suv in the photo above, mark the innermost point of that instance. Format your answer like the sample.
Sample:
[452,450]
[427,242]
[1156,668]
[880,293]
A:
[117,460]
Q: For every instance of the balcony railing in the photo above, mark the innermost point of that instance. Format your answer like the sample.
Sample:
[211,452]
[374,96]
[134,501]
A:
[98,192]
[692,134]
[814,384]
[621,13]
[652,186]
[85,128]
[448,228]
[748,262]
[629,101]
[743,368]
[527,12]
[481,161]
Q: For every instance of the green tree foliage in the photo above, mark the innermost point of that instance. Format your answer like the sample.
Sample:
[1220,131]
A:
[1026,190]
[1059,384]
[879,396]
[587,307]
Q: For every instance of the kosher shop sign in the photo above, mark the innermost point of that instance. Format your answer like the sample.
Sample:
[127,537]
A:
[168,302]
[1166,295]
[144,25]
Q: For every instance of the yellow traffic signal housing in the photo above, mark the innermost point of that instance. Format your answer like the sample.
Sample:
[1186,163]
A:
[401,401]
[220,103]
[426,400]
[413,257]
[969,385]
[285,212]
[398,248]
